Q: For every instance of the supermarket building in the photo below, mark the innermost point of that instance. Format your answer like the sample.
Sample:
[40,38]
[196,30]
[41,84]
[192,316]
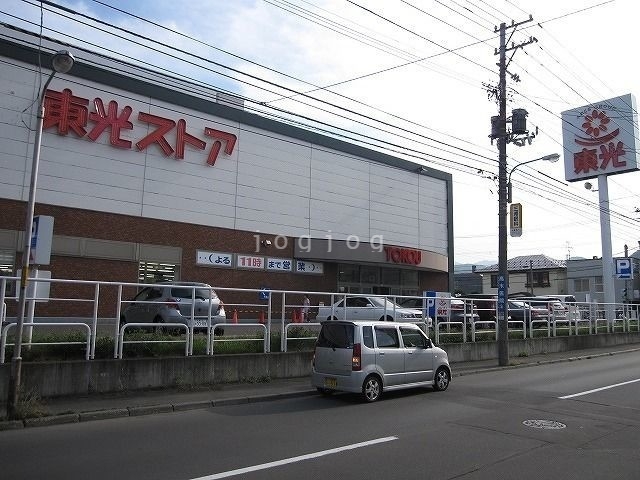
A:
[149,177]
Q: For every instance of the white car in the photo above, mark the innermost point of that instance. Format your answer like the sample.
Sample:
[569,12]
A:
[368,308]
[167,302]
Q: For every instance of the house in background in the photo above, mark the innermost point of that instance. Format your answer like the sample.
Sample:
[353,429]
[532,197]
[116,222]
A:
[532,274]
[584,279]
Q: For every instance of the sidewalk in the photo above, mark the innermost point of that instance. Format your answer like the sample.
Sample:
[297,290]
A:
[125,404]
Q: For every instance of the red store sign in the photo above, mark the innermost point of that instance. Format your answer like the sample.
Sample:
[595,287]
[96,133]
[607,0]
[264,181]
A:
[408,256]
[67,112]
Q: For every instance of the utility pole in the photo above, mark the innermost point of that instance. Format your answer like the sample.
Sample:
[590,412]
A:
[504,137]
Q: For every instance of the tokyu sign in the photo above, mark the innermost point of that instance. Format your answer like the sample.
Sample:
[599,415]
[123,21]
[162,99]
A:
[600,138]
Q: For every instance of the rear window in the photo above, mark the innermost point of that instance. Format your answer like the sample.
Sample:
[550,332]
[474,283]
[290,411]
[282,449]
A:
[186,292]
[335,335]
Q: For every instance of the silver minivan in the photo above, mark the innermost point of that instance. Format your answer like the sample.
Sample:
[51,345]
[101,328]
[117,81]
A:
[371,357]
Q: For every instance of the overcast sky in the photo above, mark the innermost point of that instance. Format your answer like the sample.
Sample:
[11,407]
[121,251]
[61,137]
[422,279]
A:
[369,54]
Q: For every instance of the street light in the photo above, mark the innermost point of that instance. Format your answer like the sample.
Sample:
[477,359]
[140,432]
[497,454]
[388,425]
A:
[504,194]
[554,157]
[61,62]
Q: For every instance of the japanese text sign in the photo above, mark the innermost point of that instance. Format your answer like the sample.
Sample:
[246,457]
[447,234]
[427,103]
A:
[515,211]
[67,112]
[215,259]
[600,139]
[309,267]
[280,264]
[248,261]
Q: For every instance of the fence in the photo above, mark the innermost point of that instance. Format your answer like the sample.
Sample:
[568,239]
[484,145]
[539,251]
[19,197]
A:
[102,309]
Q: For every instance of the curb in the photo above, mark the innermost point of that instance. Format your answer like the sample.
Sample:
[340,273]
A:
[144,410]
[88,416]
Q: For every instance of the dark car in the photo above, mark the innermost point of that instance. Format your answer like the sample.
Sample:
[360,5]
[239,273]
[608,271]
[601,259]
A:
[522,311]
[457,311]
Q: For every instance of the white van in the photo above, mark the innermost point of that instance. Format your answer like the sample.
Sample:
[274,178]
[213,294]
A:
[371,357]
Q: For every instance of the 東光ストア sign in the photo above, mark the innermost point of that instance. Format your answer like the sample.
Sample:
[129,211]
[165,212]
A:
[600,138]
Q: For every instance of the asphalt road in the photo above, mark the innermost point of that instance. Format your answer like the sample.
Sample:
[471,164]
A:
[573,420]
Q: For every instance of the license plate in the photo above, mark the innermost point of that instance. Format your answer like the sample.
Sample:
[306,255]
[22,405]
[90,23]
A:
[330,382]
[199,323]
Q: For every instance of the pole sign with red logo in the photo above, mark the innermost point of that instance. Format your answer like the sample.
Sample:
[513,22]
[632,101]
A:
[600,138]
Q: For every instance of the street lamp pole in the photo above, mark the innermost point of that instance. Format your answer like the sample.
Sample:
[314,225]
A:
[62,62]
[553,157]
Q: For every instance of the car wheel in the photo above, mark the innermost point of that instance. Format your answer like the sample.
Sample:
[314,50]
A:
[123,321]
[371,389]
[442,379]
[388,318]
[218,332]
[332,318]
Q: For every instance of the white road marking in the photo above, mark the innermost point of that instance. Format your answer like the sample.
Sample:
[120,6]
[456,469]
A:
[299,458]
[599,389]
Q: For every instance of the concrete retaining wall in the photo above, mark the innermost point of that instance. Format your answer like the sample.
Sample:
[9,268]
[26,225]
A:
[50,379]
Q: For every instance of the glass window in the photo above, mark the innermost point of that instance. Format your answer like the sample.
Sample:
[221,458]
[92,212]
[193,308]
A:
[357,302]
[409,278]
[412,338]
[7,261]
[387,337]
[369,275]
[391,276]
[152,272]
[540,279]
[494,281]
[335,336]
[367,336]
[581,285]
[597,284]
[348,273]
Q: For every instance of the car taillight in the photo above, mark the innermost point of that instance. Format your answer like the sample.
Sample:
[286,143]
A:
[356,358]
[172,303]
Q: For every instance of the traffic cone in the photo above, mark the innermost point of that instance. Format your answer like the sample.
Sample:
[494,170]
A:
[261,317]
[235,316]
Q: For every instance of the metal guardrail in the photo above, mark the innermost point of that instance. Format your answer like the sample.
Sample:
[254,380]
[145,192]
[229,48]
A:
[259,326]
[177,326]
[283,308]
[5,330]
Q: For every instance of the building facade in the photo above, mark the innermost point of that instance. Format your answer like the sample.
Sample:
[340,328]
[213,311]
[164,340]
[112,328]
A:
[150,177]
[531,274]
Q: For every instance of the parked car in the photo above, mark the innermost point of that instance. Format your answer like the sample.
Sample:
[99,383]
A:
[368,308]
[456,309]
[554,305]
[371,358]
[168,302]
[523,312]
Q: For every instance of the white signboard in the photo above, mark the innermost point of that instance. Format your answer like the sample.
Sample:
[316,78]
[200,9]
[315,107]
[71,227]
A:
[600,138]
[41,239]
[250,261]
[624,268]
[215,259]
[303,266]
[280,264]
[516,219]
